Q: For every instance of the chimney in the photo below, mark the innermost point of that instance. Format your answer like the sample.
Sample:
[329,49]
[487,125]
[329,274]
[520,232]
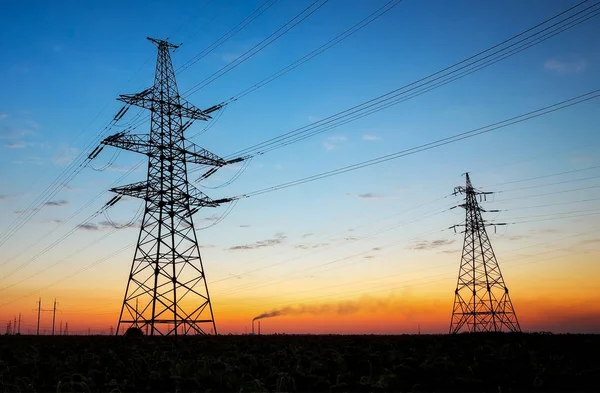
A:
[259,328]
[253,326]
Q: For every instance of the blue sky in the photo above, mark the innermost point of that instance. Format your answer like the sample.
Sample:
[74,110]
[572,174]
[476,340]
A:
[64,64]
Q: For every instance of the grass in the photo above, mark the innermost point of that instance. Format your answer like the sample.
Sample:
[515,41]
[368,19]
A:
[281,363]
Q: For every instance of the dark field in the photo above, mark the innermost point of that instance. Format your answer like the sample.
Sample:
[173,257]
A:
[490,363]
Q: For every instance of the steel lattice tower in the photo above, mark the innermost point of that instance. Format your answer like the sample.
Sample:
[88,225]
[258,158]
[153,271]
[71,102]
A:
[481,300]
[166,292]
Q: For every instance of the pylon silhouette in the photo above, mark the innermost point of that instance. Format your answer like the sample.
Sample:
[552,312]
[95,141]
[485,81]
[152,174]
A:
[481,299]
[167,290]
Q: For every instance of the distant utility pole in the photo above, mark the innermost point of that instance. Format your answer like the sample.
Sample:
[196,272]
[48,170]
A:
[19,329]
[53,316]
[166,266]
[8,328]
[111,331]
[60,331]
[481,299]
[39,310]
[66,332]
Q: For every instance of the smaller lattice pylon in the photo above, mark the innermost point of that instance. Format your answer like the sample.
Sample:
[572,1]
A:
[481,299]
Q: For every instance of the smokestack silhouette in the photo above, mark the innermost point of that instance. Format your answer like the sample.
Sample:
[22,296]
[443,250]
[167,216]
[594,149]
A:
[259,328]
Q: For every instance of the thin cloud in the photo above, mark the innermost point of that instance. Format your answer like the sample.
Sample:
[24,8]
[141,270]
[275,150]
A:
[117,168]
[105,225]
[3,116]
[589,241]
[307,235]
[16,145]
[370,137]
[211,218]
[370,195]
[431,244]
[449,251]
[67,155]
[565,67]
[24,211]
[278,239]
[310,246]
[368,257]
[62,202]
[14,133]
[328,146]
[89,227]
[544,230]
[229,57]
[53,221]
[337,138]
[245,226]
[333,142]
[112,224]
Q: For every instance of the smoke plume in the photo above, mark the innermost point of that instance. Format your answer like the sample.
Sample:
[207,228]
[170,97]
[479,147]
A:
[340,308]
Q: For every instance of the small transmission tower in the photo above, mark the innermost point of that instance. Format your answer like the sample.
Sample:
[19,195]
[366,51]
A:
[481,299]
[166,292]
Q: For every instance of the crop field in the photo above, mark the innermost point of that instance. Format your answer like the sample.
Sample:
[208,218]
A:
[282,363]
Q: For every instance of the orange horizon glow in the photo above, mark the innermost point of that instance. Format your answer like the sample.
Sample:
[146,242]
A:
[544,300]
[426,317]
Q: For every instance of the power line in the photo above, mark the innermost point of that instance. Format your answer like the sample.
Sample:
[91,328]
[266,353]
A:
[549,184]
[550,193]
[544,176]
[256,285]
[225,37]
[370,235]
[329,44]
[249,53]
[367,236]
[72,169]
[430,267]
[440,142]
[381,288]
[383,101]
[104,259]
[53,230]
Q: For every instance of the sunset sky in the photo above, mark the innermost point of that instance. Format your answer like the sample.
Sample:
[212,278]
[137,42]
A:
[376,239]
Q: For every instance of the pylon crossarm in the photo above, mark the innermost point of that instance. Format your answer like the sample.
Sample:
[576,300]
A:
[197,198]
[136,190]
[139,143]
[198,155]
[182,108]
[190,111]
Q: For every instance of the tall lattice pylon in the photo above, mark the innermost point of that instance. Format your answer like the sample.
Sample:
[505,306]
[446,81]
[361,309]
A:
[481,299]
[166,292]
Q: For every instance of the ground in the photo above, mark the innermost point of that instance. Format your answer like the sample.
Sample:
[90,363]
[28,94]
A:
[289,363]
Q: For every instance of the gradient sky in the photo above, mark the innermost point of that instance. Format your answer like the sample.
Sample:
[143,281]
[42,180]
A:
[378,235]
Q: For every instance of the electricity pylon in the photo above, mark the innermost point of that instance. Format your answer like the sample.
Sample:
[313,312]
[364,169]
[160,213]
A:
[481,299]
[166,289]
